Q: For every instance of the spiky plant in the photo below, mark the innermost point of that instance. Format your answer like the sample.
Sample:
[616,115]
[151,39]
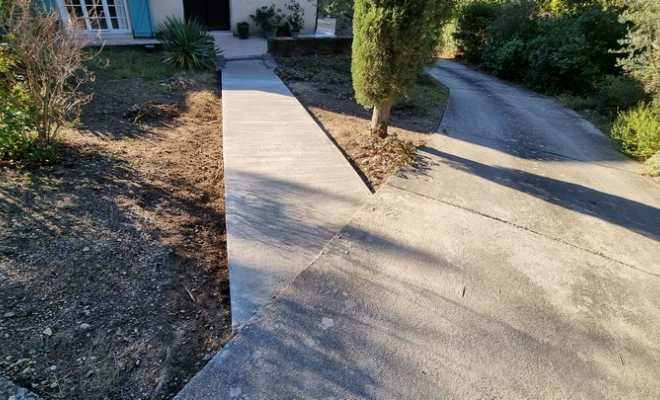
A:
[187,44]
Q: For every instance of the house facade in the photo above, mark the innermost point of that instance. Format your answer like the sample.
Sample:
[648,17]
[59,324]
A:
[140,18]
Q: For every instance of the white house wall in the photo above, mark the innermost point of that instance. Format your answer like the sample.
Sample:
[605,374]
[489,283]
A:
[161,9]
[240,11]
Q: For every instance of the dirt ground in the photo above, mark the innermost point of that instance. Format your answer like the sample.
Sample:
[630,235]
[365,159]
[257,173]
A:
[113,277]
[323,85]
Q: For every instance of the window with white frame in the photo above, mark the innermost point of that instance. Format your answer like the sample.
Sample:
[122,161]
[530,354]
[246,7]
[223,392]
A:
[97,15]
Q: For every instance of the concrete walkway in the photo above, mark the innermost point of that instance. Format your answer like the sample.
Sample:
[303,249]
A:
[521,262]
[288,188]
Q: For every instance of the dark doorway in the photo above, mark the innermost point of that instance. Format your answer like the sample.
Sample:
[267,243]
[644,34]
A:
[213,14]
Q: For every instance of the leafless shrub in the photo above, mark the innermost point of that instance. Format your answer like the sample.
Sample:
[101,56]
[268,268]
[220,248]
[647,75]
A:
[50,61]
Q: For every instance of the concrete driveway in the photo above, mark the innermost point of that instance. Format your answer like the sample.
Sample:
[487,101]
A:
[521,261]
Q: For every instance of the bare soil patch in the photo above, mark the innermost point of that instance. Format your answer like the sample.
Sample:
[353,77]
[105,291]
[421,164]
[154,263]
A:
[113,277]
[323,85]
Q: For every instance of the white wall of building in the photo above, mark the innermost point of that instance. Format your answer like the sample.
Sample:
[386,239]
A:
[161,9]
[240,11]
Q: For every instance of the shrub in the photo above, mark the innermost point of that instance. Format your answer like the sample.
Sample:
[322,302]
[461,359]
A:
[15,110]
[568,50]
[603,31]
[334,8]
[187,45]
[509,61]
[447,45]
[472,28]
[297,18]
[268,18]
[559,59]
[49,66]
[638,130]
[652,165]
[619,93]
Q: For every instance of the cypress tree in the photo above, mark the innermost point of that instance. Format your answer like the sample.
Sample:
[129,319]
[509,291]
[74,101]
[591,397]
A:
[393,40]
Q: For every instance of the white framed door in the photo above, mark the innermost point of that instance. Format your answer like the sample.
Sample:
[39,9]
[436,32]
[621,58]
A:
[108,16]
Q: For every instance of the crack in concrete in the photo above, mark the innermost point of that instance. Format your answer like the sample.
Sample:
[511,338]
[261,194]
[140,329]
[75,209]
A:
[559,240]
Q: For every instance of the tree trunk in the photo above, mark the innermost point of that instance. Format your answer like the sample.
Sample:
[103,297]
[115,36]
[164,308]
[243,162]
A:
[380,120]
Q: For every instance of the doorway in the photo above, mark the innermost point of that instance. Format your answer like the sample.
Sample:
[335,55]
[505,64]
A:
[213,14]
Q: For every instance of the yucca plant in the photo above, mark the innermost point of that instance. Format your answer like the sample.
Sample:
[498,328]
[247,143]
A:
[187,44]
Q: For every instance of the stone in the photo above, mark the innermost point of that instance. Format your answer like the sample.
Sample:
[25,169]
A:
[10,391]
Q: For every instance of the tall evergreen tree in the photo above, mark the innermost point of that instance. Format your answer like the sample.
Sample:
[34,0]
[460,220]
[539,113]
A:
[393,40]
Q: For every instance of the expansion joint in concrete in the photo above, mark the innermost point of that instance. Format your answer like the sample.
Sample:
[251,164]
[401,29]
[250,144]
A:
[559,240]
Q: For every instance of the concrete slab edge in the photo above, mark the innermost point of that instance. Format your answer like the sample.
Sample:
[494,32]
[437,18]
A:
[262,311]
[10,391]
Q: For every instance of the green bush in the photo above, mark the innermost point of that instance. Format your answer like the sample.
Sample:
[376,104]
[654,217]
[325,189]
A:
[619,93]
[49,66]
[334,8]
[510,60]
[472,28]
[559,59]
[268,18]
[568,50]
[15,124]
[638,130]
[603,31]
[15,118]
[17,130]
[187,45]
[652,165]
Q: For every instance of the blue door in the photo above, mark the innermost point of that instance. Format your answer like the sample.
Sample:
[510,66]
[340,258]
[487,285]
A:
[140,11]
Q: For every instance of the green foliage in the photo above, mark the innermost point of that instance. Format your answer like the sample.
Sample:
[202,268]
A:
[642,45]
[392,42]
[297,17]
[510,60]
[620,93]
[333,8]
[187,45]
[568,50]
[15,110]
[268,18]
[391,45]
[559,59]
[638,130]
[447,44]
[652,165]
[472,28]
[46,73]
[17,139]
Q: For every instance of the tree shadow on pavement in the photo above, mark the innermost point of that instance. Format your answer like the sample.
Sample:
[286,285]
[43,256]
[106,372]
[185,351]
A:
[630,214]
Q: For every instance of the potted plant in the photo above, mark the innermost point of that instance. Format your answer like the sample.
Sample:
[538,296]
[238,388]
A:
[297,18]
[268,19]
[243,29]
